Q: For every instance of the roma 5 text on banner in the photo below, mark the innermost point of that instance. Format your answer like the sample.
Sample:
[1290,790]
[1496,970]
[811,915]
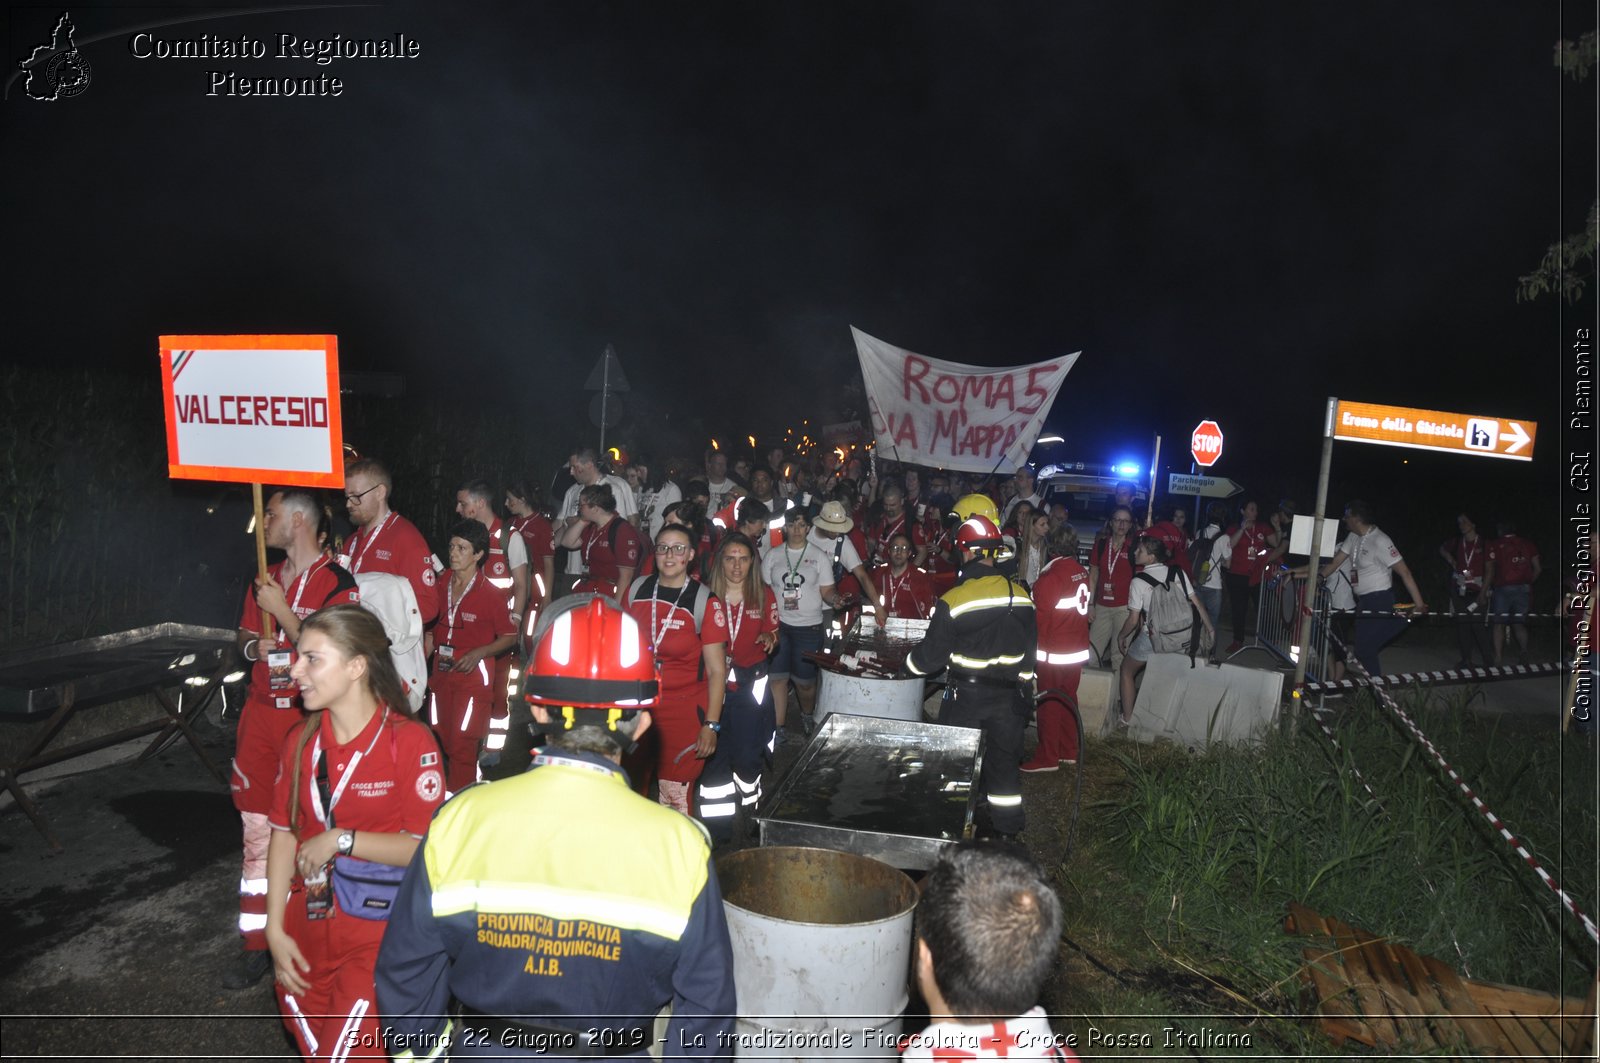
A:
[962,417]
[253,409]
[1457,433]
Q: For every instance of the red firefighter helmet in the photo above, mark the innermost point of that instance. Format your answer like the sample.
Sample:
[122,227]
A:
[590,654]
[978,532]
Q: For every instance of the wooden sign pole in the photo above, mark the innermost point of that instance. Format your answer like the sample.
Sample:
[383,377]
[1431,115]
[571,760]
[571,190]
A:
[261,551]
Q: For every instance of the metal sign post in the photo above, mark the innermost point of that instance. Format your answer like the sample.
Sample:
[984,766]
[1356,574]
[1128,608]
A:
[606,377]
[1205,449]
[1313,575]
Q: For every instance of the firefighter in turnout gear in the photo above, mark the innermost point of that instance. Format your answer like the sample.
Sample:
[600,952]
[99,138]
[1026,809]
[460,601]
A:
[563,935]
[983,630]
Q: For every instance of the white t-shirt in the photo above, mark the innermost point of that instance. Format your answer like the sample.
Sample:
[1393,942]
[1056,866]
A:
[516,548]
[655,503]
[626,506]
[1341,596]
[797,578]
[1371,557]
[1139,591]
[849,557]
[721,494]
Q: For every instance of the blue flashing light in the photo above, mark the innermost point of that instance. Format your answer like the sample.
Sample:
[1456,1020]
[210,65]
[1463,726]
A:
[1127,469]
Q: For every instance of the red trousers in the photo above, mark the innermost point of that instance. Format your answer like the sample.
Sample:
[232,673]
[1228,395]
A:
[337,1018]
[677,727]
[1058,731]
[258,748]
[460,704]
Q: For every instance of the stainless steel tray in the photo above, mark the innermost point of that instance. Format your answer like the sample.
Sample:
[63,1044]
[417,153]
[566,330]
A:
[895,790]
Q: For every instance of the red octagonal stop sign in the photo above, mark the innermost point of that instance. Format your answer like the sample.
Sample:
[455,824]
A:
[1206,444]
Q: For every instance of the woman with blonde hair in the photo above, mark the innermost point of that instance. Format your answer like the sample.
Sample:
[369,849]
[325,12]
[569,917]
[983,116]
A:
[359,783]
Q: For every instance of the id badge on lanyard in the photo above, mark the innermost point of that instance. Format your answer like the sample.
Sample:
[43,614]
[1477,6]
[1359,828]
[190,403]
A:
[278,664]
[444,656]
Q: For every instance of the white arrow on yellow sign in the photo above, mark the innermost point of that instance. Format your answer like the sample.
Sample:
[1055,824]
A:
[1457,433]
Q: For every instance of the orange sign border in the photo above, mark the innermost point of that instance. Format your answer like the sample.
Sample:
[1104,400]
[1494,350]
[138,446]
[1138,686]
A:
[327,343]
[1380,435]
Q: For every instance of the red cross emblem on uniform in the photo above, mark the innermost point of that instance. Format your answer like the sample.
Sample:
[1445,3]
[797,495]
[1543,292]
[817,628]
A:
[1000,1042]
[952,1055]
[430,784]
[1078,600]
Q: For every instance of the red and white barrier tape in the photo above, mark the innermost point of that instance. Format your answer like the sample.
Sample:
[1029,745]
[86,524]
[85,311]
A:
[1462,618]
[1320,716]
[1477,802]
[1438,676]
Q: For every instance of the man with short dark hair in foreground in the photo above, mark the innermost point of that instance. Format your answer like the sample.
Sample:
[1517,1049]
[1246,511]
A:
[988,929]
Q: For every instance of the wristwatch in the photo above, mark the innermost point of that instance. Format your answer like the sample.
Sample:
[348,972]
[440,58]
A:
[715,725]
[346,842]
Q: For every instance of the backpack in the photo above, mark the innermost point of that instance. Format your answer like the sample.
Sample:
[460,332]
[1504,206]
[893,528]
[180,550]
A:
[1200,560]
[613,526]
[391,599]
[644,588]
[1171,619]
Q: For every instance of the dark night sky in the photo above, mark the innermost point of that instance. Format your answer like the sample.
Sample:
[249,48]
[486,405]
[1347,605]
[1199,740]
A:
[1232,209]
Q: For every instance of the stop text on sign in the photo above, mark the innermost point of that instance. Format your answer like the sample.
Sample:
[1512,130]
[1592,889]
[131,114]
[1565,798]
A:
[1205,443]
[253,409]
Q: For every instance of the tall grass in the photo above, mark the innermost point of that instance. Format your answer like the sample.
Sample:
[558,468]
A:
[1214,846]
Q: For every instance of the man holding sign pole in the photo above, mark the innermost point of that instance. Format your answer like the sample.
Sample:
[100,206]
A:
[305,581]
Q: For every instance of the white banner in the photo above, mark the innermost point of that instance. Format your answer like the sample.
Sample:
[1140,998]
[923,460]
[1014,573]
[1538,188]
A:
[951,416]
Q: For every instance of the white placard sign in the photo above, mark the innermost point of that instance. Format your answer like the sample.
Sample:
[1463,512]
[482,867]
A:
[253,409]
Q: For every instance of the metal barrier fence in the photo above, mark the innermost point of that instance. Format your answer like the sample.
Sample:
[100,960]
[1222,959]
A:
[1278,622]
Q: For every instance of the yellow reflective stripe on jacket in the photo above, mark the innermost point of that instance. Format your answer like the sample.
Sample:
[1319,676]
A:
[624,913]
[989,592]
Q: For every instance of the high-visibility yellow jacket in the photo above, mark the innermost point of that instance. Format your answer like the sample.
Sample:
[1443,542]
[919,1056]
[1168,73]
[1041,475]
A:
[559,893]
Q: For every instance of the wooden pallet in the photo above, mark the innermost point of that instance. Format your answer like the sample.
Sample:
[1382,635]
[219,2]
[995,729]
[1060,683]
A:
[1384,995]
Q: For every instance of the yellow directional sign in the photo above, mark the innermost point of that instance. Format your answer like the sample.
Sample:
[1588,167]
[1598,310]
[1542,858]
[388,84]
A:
[1457,433]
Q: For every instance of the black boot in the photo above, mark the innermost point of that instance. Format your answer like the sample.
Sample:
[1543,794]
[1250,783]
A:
[247,970]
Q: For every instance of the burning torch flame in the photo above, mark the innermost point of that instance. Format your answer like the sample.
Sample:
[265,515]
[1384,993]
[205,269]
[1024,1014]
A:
[715,445]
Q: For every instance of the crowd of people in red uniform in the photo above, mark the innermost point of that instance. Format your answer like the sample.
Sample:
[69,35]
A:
[682,549]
